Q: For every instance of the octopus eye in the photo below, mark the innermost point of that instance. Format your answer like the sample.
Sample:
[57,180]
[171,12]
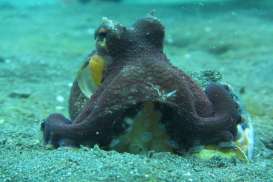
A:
[102,33]
[101,37]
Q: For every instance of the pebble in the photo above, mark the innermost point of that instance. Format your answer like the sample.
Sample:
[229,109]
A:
[2,60]
[59,108]
[2,121]
[60,98]
[208,29]
[187,56]
[7,60]
[70,84]
[19,94]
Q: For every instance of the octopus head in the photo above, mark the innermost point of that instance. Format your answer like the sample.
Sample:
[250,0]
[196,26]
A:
[116,39]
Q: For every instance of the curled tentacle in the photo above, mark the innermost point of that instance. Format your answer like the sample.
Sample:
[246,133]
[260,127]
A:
[226,115]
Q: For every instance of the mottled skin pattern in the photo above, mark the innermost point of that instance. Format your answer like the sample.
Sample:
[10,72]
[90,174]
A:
[139,72]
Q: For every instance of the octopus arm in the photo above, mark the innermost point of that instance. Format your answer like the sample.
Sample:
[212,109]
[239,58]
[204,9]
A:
[225,118]
[96,123]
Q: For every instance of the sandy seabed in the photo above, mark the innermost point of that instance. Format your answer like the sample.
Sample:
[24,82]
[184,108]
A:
[43,47]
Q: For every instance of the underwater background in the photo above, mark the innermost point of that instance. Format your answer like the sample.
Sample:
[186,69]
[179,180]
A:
[43,43]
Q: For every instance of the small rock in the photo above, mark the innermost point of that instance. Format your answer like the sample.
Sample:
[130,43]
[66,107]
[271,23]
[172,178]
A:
[60,98]
[2,121]
[242,90]
[8,61]
[2,60]
[70,84]
[59,108]
[207,29]
[20,95]
[187,56]
[268,144]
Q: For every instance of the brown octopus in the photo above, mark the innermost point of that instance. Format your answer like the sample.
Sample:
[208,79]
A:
[143,102]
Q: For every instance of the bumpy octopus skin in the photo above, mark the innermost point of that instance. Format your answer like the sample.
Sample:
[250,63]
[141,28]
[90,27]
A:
[139,72]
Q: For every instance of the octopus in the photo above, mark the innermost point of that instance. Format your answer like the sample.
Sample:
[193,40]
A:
[128,97]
